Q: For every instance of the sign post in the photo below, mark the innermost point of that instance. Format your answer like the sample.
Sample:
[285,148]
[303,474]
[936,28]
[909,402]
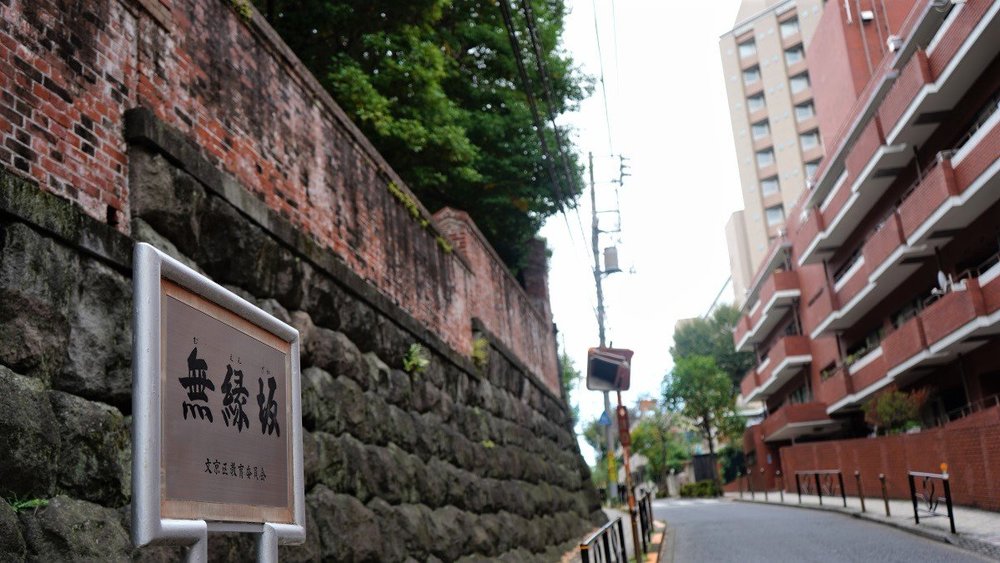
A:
[217,415]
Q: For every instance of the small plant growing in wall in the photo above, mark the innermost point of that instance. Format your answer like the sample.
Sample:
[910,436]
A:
[243,8]
[480,352]
[416,360]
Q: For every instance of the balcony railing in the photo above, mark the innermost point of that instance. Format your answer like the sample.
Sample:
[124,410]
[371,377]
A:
[834,387]
[784,359]
[777,293]
[749,383]
[794,420]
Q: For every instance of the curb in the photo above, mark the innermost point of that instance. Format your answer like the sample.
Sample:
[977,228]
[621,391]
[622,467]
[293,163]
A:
[978,547]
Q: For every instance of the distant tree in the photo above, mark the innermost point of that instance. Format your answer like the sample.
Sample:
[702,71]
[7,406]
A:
[593,433]
[570,378]
[713,337]
[656,438]
[698,389]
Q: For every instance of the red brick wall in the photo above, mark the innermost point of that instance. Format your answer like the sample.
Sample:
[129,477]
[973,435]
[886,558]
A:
[69,71]
[904,342]
[952,311]
[978,159]
[911,79]
[970,447]
[970,16]
[936,187]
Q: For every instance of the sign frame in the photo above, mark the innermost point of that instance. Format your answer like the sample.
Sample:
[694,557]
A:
[150,267]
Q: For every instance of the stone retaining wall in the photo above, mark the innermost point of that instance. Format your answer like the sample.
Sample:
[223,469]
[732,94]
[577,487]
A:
[456,462]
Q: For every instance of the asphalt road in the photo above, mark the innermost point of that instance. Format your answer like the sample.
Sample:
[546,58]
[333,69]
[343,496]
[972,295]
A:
[720,530]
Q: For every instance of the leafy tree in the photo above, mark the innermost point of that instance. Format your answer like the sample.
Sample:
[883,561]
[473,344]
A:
[713,337]
[895,411]
[698,389]
[570,378]
[656,439]
[435,87]
[593,433]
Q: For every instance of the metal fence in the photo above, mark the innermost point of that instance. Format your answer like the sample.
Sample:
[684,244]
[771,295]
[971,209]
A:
[644,505]
[606,545]
[926,500]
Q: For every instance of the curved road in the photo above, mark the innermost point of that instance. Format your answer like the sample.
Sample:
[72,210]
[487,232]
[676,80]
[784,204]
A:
[713,530]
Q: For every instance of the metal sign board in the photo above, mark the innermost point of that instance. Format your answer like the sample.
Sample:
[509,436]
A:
[608,369]
[217,435]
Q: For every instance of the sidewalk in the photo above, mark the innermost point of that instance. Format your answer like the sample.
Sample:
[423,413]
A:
[978,530]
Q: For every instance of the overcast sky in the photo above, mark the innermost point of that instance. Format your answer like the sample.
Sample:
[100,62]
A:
[668,113]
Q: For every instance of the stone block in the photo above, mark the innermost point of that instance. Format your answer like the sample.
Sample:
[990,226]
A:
[12,546]
[94,461]
[99,351]
[28,439]
[37,281]
[347,529]
[74,530]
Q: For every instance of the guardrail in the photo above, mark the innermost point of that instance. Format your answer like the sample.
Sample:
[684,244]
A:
[827,476]
[606,545]
[645,507]
[927,496]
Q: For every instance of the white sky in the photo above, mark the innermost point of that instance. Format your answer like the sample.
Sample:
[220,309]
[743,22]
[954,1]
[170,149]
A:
[669,116]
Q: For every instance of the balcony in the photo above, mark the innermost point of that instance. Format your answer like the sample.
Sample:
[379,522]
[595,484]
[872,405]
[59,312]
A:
[947,198]
[776,296]
[956,323]
[784,360]
[864,376]
[749,383]
[834,386]
[932,83]
[871,166]
[793,421]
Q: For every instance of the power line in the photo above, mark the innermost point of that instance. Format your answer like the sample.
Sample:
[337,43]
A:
[543,74]
[604,91]
[516,47]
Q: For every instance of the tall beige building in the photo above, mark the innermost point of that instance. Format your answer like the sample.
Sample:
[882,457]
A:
[774,123]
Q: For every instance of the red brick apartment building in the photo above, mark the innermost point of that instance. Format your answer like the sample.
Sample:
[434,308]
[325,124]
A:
[888,273]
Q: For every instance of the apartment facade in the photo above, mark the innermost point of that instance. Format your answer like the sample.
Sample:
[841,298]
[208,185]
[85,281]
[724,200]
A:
[888,275]
[774,122]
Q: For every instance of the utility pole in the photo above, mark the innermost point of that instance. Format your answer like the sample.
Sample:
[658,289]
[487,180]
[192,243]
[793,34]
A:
[609,432]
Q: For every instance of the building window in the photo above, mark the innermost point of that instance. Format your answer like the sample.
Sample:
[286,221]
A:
[809,139]
[756,102]
[769,186]
[794,55]
[760,129]
[751,75]
[799,82]
[747,49]
[765,157]
[775,215]
[805,111]
[811,168]
[789,27]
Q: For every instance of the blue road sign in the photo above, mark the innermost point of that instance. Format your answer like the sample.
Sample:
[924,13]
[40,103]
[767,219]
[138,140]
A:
[605,420]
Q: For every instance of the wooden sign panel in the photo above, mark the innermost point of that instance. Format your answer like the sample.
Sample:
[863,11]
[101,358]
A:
[226,414]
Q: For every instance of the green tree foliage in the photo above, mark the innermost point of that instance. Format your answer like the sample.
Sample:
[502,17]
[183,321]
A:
[593,433]
[570,378]
[434,85]
[698,389]
[657,439]
[895,411]
[713,337]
